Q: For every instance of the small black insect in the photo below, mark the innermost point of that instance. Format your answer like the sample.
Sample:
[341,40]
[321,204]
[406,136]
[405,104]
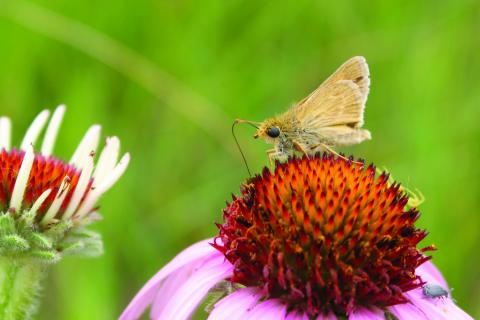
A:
[434,291]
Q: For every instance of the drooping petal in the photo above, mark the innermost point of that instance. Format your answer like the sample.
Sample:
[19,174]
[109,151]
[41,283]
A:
[170,286]
[429,273]
[198,251]
[366,314]
[271,309]
[236,305]
[407,311]
[441,308]
[191,293]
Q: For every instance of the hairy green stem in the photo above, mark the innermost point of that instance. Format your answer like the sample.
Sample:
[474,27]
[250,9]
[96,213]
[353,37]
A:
[19,287]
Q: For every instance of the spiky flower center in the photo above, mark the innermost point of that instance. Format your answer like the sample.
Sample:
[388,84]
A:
[46,173]
[324,235]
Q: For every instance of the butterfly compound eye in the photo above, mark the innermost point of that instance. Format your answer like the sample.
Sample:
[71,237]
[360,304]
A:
[273,132]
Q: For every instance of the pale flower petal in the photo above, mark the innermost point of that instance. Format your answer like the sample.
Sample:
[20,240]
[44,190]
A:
[5,132]
[34,130]
[87,146]
[52,131]
[22,179]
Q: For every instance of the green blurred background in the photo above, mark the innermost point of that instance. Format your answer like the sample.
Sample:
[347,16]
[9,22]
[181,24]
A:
[169,77]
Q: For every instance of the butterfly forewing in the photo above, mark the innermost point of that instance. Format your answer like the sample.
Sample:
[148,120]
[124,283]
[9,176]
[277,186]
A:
[340,99]
[341,104]
[354,69]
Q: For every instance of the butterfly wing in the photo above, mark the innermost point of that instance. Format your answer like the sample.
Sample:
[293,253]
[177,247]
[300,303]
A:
[341,103]
[343,135]
[355,69]
[339,100]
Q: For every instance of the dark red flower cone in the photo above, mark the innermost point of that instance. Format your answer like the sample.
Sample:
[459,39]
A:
[324,235]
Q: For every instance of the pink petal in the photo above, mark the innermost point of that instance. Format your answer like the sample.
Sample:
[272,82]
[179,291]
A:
[169,286]
[330,316]
[407,311]
[145,296]
[431,274]
[271,309]
[436,308]
[296,316]
[236,305]
[191,293]
[366,314]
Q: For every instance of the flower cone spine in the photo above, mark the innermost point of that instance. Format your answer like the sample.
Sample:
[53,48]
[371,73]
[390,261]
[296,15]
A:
[46,205]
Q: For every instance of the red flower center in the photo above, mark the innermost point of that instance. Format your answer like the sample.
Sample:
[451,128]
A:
[324,235]
[46,173]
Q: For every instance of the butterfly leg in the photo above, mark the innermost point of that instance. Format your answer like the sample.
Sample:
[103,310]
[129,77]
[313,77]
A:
[300,148]
[271,155]
[326,147]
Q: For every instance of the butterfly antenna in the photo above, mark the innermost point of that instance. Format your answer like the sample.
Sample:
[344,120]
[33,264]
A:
[252,123]
[238,144]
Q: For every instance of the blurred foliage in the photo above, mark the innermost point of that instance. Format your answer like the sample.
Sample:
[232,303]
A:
[169,77]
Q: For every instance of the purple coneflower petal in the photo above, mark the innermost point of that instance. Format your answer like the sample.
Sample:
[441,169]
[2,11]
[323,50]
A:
[429,273]
[146,295]
[271,309]
[407,311]
[436,308]
[297,316]
[191,293]
[235,305]
[366,314]
[170,286]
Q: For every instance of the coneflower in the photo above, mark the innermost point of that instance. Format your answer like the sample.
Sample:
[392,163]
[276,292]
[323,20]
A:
[319,238]
[46,204]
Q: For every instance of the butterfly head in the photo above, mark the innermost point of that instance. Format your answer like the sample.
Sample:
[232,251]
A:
[270,130]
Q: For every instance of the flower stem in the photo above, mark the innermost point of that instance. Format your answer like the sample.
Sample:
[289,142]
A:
[19,287]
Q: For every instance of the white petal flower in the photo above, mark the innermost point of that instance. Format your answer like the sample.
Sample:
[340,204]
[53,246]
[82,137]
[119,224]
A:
[47,194]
